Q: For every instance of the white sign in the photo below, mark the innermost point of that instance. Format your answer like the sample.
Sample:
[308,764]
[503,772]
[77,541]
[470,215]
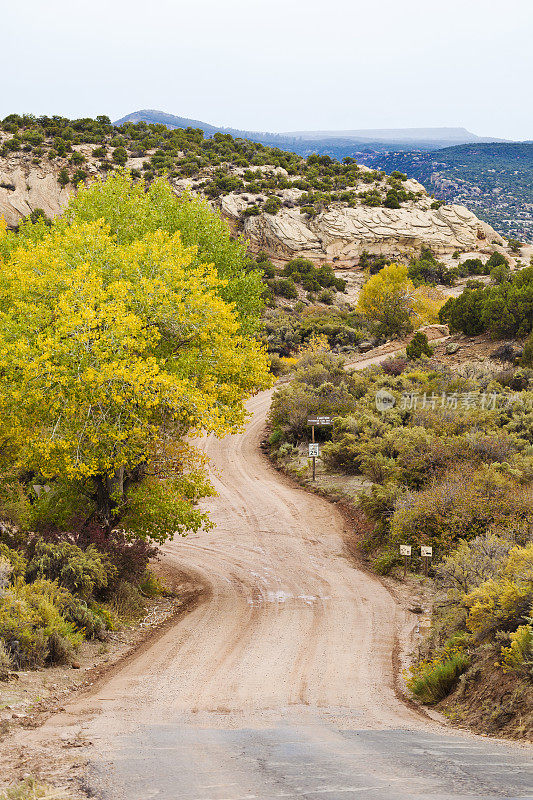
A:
[405,549]
[319,421]
[314,450]
[426,552]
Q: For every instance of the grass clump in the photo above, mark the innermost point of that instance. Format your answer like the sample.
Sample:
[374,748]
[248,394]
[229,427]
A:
[30,789]
[431,682]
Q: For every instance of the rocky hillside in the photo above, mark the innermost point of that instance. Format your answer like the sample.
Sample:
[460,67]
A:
[285,205]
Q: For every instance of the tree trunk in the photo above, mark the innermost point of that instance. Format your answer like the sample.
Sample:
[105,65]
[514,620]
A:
[109,495]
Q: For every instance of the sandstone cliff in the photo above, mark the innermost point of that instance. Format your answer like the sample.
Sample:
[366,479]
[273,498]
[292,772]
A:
[339,234]
[24,188]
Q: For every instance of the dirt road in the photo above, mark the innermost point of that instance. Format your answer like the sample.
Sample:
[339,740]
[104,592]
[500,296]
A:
[281,682]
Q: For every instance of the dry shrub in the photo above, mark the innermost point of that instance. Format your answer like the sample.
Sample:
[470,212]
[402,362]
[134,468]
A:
[461,505]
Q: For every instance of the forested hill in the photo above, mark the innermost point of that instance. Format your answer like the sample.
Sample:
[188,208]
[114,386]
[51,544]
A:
[495,180]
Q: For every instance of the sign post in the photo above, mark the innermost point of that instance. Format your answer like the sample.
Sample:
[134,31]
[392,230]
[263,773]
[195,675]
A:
[426,553]
[314,450]
[405,551]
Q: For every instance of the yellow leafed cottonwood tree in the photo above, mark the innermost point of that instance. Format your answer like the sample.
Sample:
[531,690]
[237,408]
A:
[395,305]
[113,347]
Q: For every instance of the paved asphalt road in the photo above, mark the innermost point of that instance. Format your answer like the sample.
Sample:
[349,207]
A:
[308,761]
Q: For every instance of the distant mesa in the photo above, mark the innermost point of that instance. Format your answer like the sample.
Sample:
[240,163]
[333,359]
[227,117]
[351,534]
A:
[335,143]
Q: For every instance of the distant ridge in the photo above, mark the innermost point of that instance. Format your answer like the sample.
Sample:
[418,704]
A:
[305,142]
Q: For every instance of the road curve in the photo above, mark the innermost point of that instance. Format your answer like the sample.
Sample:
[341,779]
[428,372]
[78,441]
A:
[281,683]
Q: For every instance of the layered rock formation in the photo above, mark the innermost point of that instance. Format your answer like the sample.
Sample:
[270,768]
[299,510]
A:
[24,188]
[340,234]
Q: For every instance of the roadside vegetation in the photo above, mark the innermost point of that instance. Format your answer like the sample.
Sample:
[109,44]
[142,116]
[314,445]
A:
[136,321]
[30,789]
[448,464]
[127,325]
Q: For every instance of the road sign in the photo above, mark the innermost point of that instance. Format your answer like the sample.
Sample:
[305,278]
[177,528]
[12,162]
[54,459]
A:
[405,551]
[426,553]
[314,450]
[319,421]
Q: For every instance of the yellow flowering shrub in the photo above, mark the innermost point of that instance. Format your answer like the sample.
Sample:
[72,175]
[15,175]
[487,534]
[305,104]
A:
[503,601]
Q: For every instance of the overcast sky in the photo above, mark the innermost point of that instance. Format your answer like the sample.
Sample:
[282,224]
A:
[275,65]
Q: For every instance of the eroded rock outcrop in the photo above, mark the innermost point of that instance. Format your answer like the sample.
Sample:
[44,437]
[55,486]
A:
[340,234]
[24,188]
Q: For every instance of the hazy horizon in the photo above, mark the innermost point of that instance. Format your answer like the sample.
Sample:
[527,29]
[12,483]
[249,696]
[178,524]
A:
[273,66]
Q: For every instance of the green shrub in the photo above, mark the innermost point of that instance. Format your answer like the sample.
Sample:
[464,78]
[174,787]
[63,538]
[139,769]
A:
[391,200]
[120,155]
[276,437]
[497,259]
[32,624]
[79,177]
[505,309]
[372,263]
[472,266]
[427,269]
[272,205]
[418,346]
[383,563]
[83,572]
[432,682]
[500,273]
[63,178]
[284,287]
[251,211]
[287,450]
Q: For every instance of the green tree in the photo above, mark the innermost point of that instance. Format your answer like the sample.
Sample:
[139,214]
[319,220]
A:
[418,346]
[120,155]
[63,178]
